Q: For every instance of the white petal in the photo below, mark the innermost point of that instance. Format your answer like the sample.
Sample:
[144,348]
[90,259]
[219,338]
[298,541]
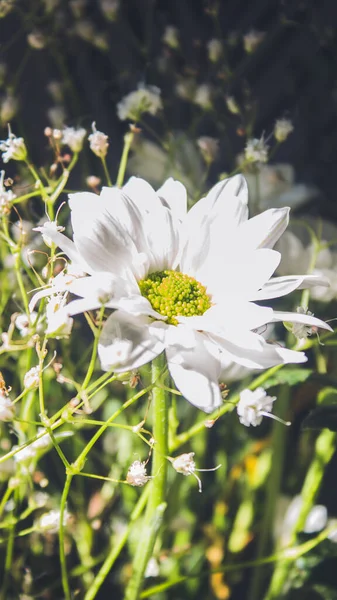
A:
[264,230]
[146,341]
[66,245]
[174,194]
[300,318]
[281,286]
[267,356]
[195,373]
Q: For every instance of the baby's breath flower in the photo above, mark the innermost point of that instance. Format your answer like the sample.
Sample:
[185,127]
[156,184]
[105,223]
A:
[36,40]
[209,148]
[22,323]
[144,100]
[98,142]
[184,464]
[256,150]
[8,108]
[6,197]
[214,49]
[50,521]
[252,40]
[232,105]
[254,405]
[137,475]
[171,37]
[73,138]
[110,9]
[202,96]
[59,324]
[7,408]
[300,330]
[282,129]
[32,378]
[14,148]
[57,116]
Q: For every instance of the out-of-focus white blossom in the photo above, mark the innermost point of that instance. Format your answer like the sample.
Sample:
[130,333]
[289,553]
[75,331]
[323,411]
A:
[137,475]
[57,116]
[253,406]
[252,40]
[31,450]
[232,105]
[6,197]
[8,108]
[209,148]
[98,142]
[50,521]
[214,49]
[203,96]
[171,37]
[14,148]
[282,129]
[36,40]
[287,513]
[55,89]
[256,150]
[23,323]
[152,568]
[32,378]
[7,408]
[73,138]
[185,89]
[144,100]
[110,9]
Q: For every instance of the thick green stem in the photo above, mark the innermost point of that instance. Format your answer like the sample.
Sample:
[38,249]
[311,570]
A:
[156,504]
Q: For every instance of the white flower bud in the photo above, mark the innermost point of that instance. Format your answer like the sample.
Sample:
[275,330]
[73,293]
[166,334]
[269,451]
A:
[73,138]
[6,197]
[7,408]
[50,521]
[232,105]
[254,405]
[202,96]
[282,129]
[8,108]
[144,100]
[98,142]
[36,40]
[23,323]
[252,40]
[32,378]
[136,474]
[214,49]
[171,37]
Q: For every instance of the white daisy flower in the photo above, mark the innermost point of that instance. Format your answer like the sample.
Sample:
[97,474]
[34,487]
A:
[186,283]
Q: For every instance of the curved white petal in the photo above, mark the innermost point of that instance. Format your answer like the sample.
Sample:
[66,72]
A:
[263,230]
[267,356]
[66,245]
[281,286]
[300,318]
[174,194]
[144,342]
[195,372]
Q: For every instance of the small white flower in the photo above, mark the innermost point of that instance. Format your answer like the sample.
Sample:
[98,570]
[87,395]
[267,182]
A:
[152,568]
[144,100]
[185,89]
[23,323]
[6,197]
[73,138]
[282,129]
[36,40]
[253,406]
[8,108]
[14,148]
[214,49]
[203,96]
[110,8]
[252,40]
[256,150]
[50,521]
[32,378]
[209,148]
[137,475]
[184,464]
[171,36]
[98,142]
[232,105]
[300,330]
[7,408]
[57,116]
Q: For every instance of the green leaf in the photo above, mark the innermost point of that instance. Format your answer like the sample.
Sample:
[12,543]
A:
[289,376]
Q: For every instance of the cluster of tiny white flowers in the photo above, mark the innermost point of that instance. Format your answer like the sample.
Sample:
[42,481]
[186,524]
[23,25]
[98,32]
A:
[7,408]
[203,96]
[50,521]
[253,406]
[23,323]
[59,324]
[98,142]
[283,128]
[144,100]
[32,377]
[73,138]
[256,151]
[137,475]
[14,148]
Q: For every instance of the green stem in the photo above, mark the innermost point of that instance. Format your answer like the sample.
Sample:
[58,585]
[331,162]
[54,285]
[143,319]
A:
[156,504]
[128,138]
[324,449]
[106,172]
[64,574]
[116,548]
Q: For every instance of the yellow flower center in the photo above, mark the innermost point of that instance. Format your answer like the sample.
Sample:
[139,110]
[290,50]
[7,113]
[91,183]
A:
[174,294]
